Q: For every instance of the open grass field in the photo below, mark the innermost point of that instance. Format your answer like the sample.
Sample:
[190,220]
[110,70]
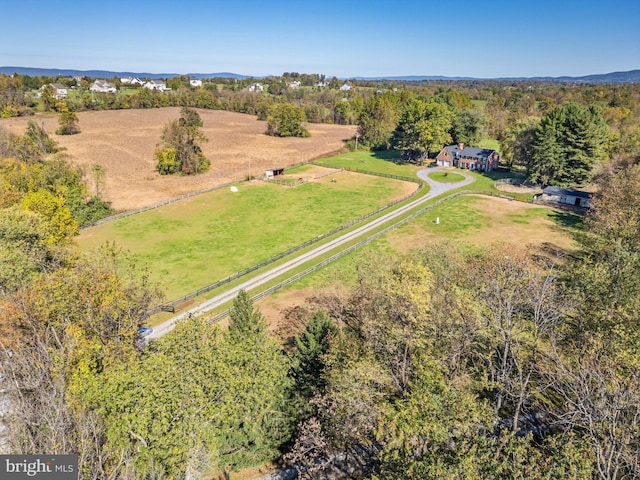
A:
[123,141]
[472,222]
[189,244]
[388,162]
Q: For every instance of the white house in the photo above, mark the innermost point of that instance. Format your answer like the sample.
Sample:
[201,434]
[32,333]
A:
[256,87]
[131,81]
[102,86]
[59,90]
[195,82]
[346,87]
[156,85]
[294,85]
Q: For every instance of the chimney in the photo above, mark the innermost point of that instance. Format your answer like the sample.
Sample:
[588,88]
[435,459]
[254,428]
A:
[461,146]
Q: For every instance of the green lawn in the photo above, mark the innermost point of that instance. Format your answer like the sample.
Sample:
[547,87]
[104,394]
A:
[388,162]
[446,177]
[192,243]
[470,221]
[490,143]
[486,183]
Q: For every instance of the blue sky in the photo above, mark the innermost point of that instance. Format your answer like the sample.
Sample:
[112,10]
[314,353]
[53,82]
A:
[491,38]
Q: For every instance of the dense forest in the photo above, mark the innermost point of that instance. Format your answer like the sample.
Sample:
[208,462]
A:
[445,363]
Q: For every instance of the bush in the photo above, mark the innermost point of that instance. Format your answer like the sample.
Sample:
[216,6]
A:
[68,124]
[168,162]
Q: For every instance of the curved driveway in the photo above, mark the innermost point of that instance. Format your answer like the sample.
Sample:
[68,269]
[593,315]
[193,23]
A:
[436,189]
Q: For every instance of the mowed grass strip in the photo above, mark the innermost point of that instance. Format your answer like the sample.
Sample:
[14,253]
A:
[192,243]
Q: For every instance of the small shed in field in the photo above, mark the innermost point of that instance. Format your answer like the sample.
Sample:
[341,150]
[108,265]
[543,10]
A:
[274,172]
[576,198]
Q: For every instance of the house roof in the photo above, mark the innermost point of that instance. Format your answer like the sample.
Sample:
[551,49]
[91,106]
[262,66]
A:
[59,86]
[468,151]
[565,191]
[103,83]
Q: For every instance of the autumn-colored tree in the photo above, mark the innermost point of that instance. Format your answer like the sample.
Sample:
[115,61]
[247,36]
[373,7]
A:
[180,150]
[55,212]
[25,248]
[69,123]
[71,325]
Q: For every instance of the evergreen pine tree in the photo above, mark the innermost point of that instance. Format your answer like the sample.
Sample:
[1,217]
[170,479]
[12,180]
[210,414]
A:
[310,346]
[246,322]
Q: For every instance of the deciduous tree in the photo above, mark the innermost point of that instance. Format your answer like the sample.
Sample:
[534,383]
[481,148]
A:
[517,145]
[378,119]
[68,121]
[467,126]
[61,226]
[423,127]
[181,151]
[286,120]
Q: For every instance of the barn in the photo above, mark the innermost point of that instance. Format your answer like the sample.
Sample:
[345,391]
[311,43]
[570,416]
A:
[576,198]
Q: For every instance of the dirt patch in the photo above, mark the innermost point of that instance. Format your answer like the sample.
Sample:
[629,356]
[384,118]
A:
[288,311]
[311,173]
[123,141]
[505,187]
[274,307]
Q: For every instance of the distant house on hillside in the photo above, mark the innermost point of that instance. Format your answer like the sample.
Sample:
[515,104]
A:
[102,86]
[256,87]
[156,85]
[131,81]
[59,90]
[471,158]
[294,85]
[195,82]
[567,196]
[345,87]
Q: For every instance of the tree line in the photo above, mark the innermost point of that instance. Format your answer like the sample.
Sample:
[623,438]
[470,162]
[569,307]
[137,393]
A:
[556,133]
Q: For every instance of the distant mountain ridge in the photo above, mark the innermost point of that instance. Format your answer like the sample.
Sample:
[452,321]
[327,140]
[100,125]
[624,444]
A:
[631,76]
[54,72]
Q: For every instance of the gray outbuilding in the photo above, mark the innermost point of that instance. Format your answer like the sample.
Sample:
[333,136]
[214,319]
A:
[568,196]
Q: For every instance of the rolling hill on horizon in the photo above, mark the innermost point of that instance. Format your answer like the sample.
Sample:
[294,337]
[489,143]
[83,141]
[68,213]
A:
[631,76]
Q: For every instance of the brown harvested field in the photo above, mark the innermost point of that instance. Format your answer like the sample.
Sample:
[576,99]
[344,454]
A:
[123,141]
